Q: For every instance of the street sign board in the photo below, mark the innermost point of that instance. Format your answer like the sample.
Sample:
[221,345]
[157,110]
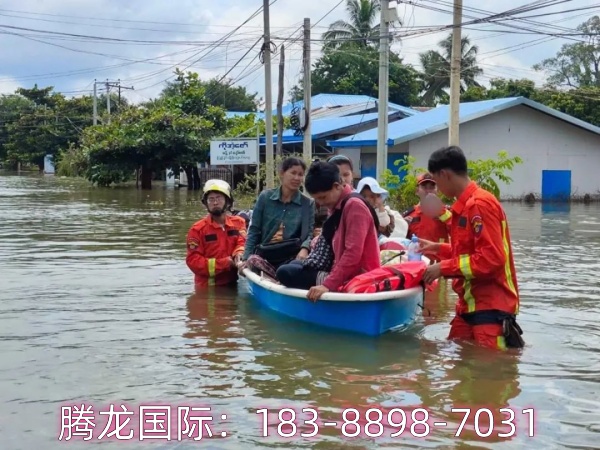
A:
[233,151]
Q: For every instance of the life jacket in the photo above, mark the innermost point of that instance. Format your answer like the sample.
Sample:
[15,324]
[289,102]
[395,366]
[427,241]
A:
[394,277]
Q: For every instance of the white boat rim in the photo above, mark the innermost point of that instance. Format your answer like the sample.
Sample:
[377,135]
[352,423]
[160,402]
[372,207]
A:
[330,296]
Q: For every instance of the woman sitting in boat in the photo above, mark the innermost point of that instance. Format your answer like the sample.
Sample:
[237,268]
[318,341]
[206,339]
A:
[350,231]
[283,219]
[346,168]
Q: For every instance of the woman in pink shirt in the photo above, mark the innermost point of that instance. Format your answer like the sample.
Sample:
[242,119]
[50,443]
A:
[350,230]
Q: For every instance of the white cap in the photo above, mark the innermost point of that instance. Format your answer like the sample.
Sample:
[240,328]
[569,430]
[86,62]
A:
[373,186]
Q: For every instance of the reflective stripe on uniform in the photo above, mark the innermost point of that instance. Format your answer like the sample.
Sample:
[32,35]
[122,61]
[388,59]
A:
[465,268]
[501,341]
[212,262]
[446,216]
[507,270]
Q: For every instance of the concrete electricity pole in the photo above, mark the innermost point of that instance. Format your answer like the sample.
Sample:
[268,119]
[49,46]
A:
[307,141]
[95,108]
[108,100]
[384,66]
[455,75]
[108,85]
[279,150]
[119,87]
[270,179]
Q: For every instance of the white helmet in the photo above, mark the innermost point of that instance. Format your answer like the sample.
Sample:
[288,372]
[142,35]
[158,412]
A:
[217,186]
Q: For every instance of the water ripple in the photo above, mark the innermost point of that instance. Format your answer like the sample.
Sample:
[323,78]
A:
[97,305]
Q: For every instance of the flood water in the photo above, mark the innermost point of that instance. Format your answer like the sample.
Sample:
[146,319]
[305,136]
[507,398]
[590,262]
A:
[97,307]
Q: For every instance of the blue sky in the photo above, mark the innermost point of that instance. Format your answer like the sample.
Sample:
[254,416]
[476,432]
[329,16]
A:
[150,38]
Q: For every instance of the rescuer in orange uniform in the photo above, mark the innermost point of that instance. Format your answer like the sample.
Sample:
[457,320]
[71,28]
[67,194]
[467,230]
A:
[215,244]
[479,257]
[425,226]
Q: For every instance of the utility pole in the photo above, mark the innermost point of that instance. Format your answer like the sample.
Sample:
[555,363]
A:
[270,178]
[384,59]
[307,141]
[108,99]
[455,75]
[95,108]
[119,87]
[279,150]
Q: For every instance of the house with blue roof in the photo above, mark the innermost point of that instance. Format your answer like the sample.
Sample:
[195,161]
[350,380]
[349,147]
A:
[561,154]
[332,105]
[330,128]
[334,116]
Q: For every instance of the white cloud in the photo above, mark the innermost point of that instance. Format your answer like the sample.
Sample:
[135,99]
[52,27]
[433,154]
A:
[8,85]
[26,61]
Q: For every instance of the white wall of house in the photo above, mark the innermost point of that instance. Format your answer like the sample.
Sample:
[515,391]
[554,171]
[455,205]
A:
[542,141]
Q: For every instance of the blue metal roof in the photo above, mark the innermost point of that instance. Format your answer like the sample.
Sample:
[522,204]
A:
[325,127]
[331,101]
[324,100]
[437,119]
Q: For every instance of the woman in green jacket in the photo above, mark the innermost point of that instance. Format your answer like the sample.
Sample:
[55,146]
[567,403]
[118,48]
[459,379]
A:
[280,214]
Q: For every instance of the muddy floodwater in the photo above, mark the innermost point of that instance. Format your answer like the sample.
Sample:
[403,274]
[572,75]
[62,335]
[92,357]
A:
[97,308]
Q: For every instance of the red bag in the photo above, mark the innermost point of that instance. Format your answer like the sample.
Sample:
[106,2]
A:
[394,277]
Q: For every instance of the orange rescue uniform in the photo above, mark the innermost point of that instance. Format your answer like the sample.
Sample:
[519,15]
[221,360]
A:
[480,259]
[428,228]
[210,248]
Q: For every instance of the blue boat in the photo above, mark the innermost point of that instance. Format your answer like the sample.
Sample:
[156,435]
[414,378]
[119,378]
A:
[367,314]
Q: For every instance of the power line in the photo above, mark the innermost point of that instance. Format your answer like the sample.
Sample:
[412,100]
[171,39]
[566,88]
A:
[231,33]
[121,20]
[505,18]
[109,39]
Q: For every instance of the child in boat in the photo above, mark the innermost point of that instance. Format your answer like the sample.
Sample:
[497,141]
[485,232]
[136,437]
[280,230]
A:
[350,231]
[375,195]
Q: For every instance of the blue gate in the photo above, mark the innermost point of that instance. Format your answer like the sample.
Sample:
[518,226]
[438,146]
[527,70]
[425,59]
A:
[556,185]
[369,168]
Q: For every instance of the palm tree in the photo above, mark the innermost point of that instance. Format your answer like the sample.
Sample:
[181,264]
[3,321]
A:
[360,28]
[436,69]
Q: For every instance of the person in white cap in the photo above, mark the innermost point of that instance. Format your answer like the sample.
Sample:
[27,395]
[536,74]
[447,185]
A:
[376,196]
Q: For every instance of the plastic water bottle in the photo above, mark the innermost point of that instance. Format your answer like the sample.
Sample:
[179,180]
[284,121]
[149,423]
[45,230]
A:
[406,243]
[414,253]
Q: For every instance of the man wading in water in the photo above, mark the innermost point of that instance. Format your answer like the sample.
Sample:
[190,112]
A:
[215,244]
[479,257]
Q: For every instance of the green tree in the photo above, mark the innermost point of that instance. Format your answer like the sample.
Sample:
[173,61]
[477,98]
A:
[485,172]
[501,88]
[171,133]
[296,93]
[576,65]
[12,107]
[352,69]
[362,28]
[48,123]
[582,103]
[38,131]
[217,93]
[151,139]
[41,97]
[436,70]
